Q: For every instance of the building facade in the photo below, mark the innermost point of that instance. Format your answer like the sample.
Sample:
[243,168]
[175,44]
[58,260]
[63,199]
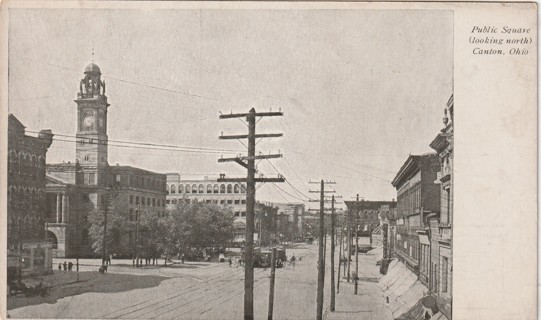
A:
[89,184]
[26,238]
[441,226]
[418,196]
[231,195]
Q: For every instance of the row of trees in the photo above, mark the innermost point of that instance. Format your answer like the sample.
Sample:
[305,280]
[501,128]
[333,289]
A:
[182,230]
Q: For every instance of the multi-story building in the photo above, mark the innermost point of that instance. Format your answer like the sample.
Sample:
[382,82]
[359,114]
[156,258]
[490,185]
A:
[364,215]
[26,239]
[232,195]
[441,226]
[290,220]
[418,197]
[90,184]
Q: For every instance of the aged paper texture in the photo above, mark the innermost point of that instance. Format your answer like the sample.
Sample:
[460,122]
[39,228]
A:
[351,195]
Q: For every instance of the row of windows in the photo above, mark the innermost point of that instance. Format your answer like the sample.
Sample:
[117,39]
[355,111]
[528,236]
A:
[409,201]
[215,201]
[216,188]
[25,163]
[146,201]
[141,182]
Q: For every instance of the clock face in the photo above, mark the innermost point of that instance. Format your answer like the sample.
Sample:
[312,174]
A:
[88,121]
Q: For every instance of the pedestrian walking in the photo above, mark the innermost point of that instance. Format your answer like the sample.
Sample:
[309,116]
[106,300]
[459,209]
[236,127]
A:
[293,261]
[60,267]
[230,262]
[70,266]
[65,266]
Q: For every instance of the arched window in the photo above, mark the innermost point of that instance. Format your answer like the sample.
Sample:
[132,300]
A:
[216,189]
[173,189]
[222,188]
[201,188]
[237,188]
[243,188]
[209,188]
[229,188]
[180,188]
[194,188]
[187,188]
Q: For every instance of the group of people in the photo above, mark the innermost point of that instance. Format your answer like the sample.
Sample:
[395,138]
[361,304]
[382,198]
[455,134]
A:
[68,266]
[236,262]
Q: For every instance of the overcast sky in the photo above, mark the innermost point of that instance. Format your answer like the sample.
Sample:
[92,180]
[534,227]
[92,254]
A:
[360,89]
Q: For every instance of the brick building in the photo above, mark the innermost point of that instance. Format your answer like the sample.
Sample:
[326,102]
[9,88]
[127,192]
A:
[76,189]
[441,226]
[26,239]
[418,197]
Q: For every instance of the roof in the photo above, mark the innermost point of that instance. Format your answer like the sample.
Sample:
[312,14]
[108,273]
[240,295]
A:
[410,166]
[92,68]
[119,168]
[368,205]
[13,121]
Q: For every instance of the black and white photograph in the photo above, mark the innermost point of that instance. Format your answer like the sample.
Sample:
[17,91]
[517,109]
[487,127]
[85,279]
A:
[230,163]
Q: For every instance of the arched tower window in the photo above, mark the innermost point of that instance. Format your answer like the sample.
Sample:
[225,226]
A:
[243,188]
[194,188]
[216,188]
[201,188]
[229,188]
[209,188]
[187,188]
[173,188]
[237,188]
[222,188]
[180,188]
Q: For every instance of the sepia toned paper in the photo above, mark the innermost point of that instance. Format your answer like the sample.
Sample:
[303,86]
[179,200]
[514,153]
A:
[486,60]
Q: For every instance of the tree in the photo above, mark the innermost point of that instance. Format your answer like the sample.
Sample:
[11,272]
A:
[196,226]
[117,226]
[151,235]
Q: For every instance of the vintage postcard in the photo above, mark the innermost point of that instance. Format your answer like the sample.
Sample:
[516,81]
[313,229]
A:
[268,160]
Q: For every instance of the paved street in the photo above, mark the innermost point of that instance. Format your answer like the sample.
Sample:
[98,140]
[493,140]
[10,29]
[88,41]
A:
[200,291]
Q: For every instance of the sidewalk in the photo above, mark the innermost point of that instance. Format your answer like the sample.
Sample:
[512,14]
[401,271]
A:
[368,304]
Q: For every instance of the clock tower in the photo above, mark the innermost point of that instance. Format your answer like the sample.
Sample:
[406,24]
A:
[91,150]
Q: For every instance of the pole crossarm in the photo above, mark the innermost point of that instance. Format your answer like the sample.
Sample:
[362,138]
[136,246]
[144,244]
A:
[246,136]
[257,114]
[326,191]
[265,156]
[278,179]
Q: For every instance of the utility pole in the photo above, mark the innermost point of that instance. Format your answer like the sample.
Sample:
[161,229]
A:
[349,243]
[271,286]
[249,163]
[339,260]
[333,301]
[321,261]
[323,241]
[136,234]
[357,246]
[104,241]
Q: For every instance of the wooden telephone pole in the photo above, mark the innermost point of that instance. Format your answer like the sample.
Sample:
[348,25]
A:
[357,247]
[321,253]
[249,163]
[333,299]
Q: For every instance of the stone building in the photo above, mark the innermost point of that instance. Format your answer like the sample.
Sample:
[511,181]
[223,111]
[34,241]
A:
[26,238]
[418,197]
[76,189]
[441,226]
[231,195]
